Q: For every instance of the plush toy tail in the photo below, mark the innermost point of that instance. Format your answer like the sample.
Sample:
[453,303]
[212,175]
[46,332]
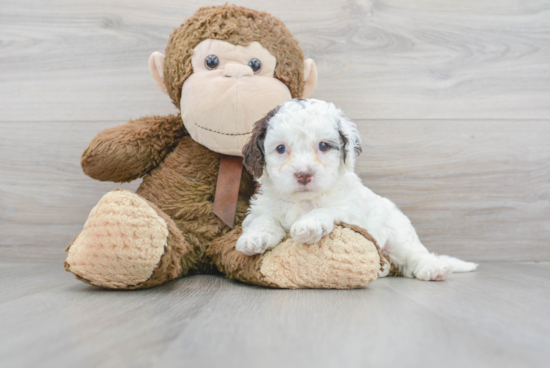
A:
[458,265]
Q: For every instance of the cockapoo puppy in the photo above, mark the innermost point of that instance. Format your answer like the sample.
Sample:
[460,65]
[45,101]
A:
[303,154]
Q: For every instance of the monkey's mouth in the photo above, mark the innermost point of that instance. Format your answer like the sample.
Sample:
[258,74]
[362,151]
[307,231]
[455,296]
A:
[222,133]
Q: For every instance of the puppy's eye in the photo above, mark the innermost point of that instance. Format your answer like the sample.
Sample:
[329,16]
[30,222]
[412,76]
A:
[281,149]
[211,62]
[323,146]
[255,64]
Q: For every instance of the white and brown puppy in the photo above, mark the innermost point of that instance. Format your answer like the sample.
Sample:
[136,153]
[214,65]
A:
[303,155]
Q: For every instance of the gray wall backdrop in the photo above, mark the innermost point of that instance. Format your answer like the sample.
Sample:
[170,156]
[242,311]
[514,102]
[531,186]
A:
[452,99]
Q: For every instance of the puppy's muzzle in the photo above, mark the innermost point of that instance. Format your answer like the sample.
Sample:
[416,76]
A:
[303,177]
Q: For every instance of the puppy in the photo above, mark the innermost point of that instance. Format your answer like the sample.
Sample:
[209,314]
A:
[303,155]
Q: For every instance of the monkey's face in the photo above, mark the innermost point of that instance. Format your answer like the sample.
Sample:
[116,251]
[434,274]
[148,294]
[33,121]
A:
[231,88]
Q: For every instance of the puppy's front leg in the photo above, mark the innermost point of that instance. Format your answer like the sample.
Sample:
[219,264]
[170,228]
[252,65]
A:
[260,234]
[311,227]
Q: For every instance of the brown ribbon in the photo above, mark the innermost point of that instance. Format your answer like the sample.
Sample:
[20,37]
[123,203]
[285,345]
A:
[227,189]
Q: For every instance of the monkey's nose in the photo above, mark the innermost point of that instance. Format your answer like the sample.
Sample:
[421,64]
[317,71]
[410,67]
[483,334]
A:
[303,177]
[237,70]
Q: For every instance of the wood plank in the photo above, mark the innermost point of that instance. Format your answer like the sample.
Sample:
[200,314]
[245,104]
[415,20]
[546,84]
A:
[493,317]
[45,198]
[23,279]
[348,329]
[389,59]
[473,189]
[510,296]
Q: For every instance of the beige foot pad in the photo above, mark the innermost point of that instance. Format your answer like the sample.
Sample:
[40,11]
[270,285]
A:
[344,259]
[122,242]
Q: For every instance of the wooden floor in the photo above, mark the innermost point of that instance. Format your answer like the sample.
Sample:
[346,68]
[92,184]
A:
[452,99]
[496,317]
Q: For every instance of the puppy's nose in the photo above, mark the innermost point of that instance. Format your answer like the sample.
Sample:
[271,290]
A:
[237,70]
[304,177]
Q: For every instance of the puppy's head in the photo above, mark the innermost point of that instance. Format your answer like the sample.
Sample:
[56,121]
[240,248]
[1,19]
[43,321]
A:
[302,147]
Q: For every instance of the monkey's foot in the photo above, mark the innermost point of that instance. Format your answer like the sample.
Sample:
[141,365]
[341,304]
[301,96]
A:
[347,258]
[126,243]
[344,259]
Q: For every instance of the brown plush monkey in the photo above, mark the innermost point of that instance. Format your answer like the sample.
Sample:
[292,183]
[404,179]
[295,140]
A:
[225,68]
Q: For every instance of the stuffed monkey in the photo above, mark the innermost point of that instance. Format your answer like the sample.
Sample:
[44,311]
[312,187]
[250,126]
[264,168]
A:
[225,68]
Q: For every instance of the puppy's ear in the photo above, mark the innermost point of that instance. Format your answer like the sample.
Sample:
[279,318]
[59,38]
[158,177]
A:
[253,150]
[351,141]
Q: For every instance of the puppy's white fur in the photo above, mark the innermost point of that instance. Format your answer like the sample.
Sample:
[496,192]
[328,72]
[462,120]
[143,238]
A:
[308,211]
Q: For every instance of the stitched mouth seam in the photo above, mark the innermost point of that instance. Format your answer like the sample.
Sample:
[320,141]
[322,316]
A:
[215,131]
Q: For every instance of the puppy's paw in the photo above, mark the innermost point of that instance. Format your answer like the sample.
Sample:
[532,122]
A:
[256,242]
[385,269]
[310,230]
[432,268]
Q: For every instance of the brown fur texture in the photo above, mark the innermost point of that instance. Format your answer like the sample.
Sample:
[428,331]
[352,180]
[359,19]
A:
[348,258]
[235,264]
[173,205]
[171,265]
[183,187]
[238,26]
[181,191]
[127,152]
[253,150]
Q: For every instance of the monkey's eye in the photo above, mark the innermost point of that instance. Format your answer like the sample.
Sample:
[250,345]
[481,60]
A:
[281,149]
[255,64]
[323,146]
[211,62]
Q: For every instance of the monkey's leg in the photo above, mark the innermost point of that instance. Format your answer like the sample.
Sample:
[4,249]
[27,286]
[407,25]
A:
[128,243]
[345,259]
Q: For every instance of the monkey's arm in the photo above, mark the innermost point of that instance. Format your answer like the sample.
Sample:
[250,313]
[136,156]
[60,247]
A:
[130,151]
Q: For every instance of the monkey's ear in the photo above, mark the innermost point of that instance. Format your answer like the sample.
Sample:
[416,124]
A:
[310,76]
[156,67]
